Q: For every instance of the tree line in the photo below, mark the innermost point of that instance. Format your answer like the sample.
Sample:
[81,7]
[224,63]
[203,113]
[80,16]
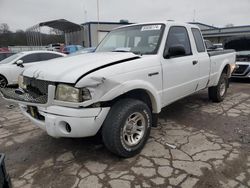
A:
[19,38]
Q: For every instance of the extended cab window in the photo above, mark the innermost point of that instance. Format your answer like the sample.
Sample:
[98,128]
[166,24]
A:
[178,36]
[198,40]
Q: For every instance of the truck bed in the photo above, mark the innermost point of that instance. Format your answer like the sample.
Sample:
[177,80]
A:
[217,58]
[219,52]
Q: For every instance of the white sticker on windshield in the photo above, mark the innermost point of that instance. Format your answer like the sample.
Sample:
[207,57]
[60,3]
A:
[151,27]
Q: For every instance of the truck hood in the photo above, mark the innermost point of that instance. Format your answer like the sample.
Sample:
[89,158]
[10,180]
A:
[70,69]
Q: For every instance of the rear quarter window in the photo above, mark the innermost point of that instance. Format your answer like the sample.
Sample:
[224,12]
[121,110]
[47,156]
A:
[198,40]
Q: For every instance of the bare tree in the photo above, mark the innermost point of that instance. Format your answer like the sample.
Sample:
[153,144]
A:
[4,28]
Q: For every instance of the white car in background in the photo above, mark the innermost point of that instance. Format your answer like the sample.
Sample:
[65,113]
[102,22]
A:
[13,66]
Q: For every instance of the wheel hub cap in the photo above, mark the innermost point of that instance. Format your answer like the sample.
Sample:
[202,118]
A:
[222,88]
[134,129]
[2,82]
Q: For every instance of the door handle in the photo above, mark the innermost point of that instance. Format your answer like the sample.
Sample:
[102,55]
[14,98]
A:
[195,62]
[153,73]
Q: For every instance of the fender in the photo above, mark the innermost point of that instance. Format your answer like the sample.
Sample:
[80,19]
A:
[133,85]
[224,64]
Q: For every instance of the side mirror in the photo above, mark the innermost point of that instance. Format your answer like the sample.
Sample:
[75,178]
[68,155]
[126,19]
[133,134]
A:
[19,63]
[174,51]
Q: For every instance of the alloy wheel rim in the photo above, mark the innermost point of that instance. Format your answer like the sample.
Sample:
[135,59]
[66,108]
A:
[222,88]
[2,82]
[134,129]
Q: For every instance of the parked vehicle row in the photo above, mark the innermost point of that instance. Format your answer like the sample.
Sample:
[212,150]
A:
[68,49]
[71,49]
[120,88]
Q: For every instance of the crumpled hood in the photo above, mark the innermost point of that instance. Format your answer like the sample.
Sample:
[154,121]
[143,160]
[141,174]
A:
[69,69]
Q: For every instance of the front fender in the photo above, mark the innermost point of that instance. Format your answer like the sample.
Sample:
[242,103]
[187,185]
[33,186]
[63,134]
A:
[133,85]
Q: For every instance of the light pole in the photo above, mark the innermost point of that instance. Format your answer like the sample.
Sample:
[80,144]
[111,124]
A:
[98,19]
[98,16]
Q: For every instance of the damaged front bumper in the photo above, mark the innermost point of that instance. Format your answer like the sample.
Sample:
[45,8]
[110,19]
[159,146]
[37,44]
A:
[58,119]
[66,122]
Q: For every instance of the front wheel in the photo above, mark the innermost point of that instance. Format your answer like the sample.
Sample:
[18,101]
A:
[218,93]
[127,127]
[3,82]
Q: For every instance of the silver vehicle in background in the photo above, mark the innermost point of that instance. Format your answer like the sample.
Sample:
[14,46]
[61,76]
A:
[242,47]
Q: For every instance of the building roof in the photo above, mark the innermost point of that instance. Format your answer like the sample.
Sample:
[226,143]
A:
[62,25]
[227,31]
[203,25]
[110,23]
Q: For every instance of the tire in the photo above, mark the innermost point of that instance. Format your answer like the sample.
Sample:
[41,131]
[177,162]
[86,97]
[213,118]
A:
[119,132]
[218,93]
[3,82]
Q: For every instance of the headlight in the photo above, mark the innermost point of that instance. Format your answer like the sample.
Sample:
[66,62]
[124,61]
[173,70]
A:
[21,83]
[71,94]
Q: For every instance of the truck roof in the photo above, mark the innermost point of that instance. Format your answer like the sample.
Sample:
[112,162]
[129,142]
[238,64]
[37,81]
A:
[167,23]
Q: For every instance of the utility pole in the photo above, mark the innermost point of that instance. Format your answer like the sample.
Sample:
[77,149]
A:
[194,15]
[98,10]
[85,12]
[98,19]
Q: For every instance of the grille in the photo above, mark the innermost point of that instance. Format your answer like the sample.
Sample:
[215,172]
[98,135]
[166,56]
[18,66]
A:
[36,87]
[243,59]
[10,93]
[35,92]
[241,69]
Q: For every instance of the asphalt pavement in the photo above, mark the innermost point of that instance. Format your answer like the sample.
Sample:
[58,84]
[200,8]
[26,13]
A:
[197,144]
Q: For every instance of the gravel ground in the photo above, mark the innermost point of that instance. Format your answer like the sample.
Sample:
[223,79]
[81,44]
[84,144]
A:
[212,149]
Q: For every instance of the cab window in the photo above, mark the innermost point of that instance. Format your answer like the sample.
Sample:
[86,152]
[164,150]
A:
[178,36]
[198,40]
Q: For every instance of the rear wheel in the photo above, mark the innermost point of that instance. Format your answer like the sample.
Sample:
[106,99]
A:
[127,127]
[218,93]
[3,82]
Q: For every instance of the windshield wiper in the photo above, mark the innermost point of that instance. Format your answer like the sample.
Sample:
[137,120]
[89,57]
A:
[134,52]
[120,50]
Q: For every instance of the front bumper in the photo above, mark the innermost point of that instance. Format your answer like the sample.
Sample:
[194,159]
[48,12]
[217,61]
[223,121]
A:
[243,71]
[83,122]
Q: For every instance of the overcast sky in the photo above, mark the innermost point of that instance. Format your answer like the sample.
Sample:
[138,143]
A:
[21,14]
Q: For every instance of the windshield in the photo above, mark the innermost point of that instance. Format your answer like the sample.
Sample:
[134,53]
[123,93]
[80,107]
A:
[140,39]
[11,58]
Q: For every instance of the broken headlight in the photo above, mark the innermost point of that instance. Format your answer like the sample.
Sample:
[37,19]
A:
[71,94]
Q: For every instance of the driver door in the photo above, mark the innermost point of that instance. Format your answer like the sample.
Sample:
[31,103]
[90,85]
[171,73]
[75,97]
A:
[180,73]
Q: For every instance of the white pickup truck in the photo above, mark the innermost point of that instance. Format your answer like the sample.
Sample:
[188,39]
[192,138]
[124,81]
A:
[120,88]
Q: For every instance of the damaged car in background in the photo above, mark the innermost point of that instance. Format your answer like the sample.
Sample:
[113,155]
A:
[119,89]
[242,47]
